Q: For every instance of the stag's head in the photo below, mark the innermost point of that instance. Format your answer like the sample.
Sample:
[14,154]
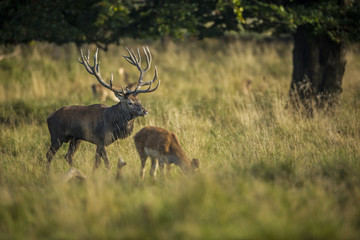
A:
[128,98]
[133,105]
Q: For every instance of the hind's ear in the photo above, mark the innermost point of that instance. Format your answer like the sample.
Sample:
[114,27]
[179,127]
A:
[195,163]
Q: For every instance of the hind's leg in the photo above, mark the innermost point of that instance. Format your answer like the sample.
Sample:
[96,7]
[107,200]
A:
[55,145]
[143,156]
[168,168]
[73,146]
[161,165]
[143,161]
[154,166]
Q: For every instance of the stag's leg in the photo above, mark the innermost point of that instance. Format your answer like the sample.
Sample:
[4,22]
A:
[97,158]
[100,152]
[55,145]
[154,166]
[106,160]
[73,146]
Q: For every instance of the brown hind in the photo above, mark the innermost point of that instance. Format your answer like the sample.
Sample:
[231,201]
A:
[162,147]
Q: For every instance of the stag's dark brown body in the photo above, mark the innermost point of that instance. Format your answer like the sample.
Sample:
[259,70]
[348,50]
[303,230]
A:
[98,124]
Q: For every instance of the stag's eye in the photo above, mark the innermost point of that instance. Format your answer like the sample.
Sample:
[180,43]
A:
[130,103]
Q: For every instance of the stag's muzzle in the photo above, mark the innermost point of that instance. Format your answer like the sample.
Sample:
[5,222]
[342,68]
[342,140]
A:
[143,113]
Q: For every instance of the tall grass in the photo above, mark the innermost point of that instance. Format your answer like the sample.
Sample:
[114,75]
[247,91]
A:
[265,172]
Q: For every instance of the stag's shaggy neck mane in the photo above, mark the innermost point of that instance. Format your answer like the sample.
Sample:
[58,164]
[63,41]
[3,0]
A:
[120,121]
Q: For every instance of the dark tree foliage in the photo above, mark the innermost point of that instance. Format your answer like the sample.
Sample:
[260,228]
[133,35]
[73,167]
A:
[107,21]
[210,18]
[61,21]
[321,30]
[336,19]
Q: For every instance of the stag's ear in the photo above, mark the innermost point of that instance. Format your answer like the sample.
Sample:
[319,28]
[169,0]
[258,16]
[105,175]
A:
[120,96]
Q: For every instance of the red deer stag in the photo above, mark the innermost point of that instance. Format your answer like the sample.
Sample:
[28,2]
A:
[99,124]
[158,143]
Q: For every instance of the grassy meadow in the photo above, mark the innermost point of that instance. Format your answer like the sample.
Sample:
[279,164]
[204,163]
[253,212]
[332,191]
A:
[265,173]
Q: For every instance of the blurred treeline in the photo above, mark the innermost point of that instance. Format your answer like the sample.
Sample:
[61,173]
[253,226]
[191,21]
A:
[321,30]
[108,21]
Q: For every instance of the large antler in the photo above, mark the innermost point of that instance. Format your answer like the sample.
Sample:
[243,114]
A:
[136,61]
[95,70]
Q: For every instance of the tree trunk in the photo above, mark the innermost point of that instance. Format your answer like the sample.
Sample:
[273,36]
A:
[319,66]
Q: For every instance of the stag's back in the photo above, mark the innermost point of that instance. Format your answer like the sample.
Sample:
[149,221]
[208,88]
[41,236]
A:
[76,114]
[75,121]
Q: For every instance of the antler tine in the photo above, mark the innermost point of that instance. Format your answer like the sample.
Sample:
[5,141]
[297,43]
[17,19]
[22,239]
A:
[136,61]
[111,80]
[148,89]
[85,62]
[148,57]
[148,65]
[88,55]
[131,58]
[96,58]
[139,57]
